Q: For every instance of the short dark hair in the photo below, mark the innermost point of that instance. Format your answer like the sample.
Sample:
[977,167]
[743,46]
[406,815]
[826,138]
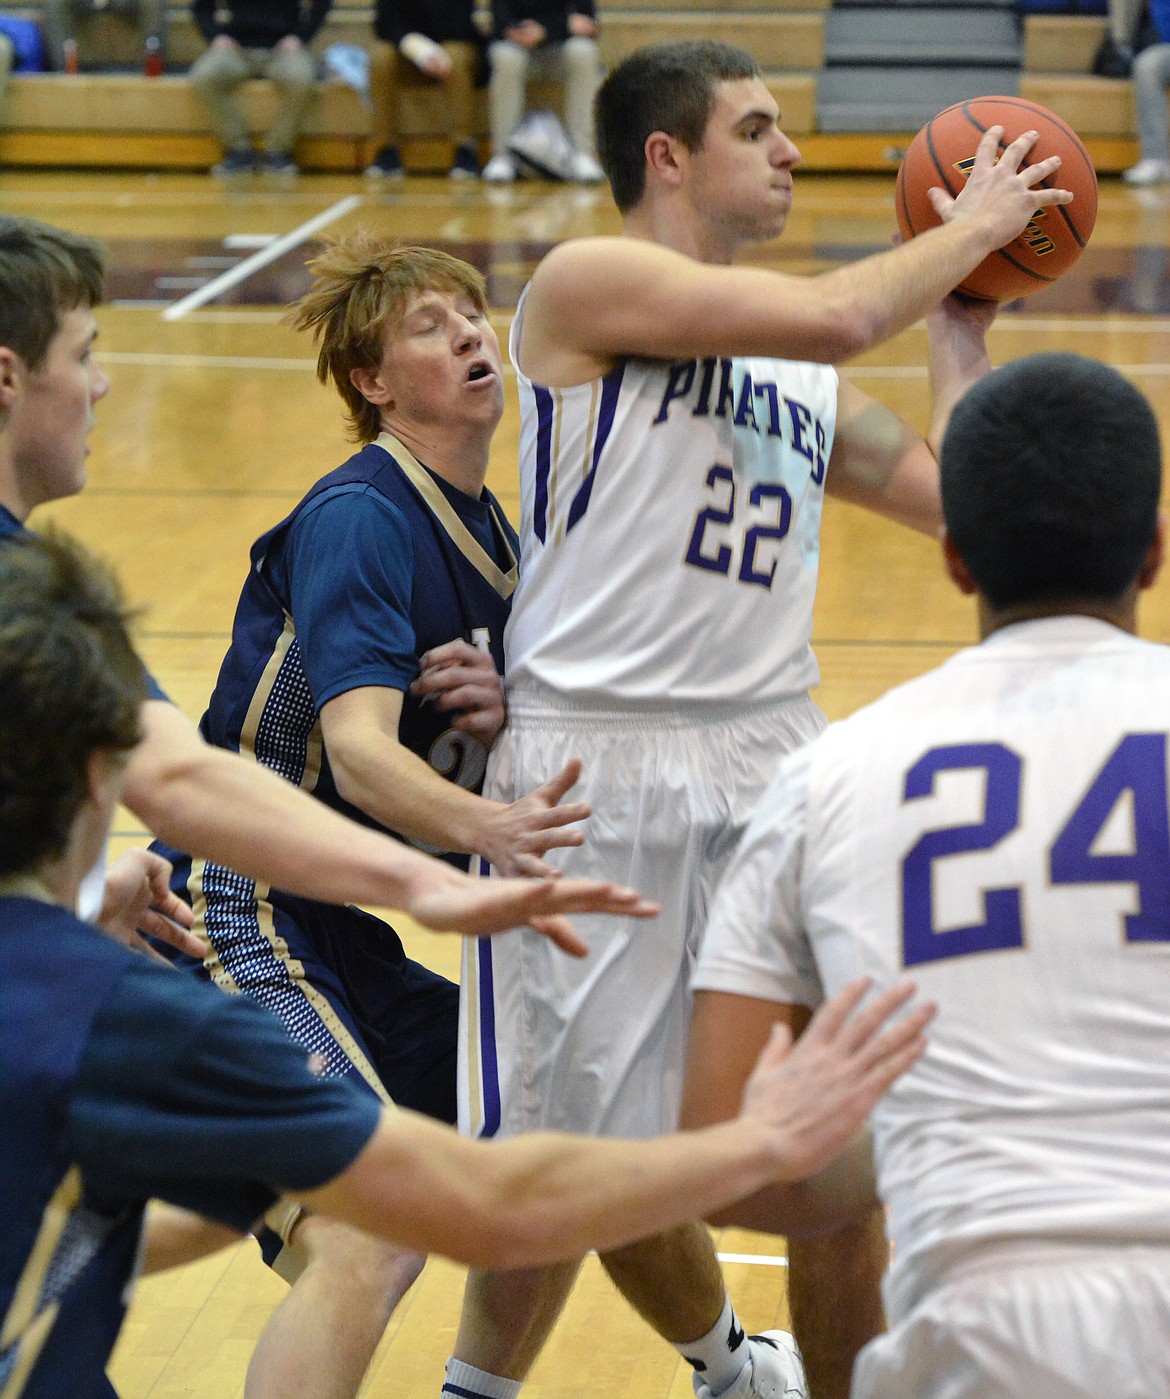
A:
[663,87]
[45,273]
[72,685]
[1051,472]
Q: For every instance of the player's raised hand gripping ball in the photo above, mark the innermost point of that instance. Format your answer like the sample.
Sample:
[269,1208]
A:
[942,155]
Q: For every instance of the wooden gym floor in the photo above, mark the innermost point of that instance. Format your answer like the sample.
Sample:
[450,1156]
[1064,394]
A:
[215,426]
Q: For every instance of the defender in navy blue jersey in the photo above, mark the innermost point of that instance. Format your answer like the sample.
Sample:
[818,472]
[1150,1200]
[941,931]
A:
[121,1081]
[191,793]
[187,791]
[365,668]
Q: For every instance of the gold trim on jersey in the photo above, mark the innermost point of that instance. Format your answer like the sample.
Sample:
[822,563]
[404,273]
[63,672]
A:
[314,741]
[294,970]
[24,1327]
[551,507]
[444,512]
[214,968]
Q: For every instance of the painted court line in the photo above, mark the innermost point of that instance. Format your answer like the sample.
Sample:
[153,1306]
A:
[766,1260]
[149,358]
[261,258]
[915,371]
[154,359]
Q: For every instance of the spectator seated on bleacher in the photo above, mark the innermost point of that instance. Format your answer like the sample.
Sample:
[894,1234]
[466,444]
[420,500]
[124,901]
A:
[552,41]
[257,39]
[1151,78]
[424,43]
[68,23]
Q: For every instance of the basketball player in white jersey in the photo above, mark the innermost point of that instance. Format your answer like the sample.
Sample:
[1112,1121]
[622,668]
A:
[680,423]
[999,827]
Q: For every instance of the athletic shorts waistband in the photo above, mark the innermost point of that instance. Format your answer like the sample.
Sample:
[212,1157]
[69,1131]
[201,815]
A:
[539,704]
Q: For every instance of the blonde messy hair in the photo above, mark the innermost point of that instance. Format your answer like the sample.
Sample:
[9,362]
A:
[361,283]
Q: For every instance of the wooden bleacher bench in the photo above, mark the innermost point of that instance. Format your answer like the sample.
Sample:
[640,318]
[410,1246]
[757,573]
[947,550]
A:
[96,119]
[125,119]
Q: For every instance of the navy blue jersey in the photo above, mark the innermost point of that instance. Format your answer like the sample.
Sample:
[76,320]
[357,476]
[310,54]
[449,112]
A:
[120,1081]
[380,562]
[11,528]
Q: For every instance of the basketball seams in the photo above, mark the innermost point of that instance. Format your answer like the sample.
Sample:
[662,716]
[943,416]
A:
[924,166]
[934,160]
[1077,144]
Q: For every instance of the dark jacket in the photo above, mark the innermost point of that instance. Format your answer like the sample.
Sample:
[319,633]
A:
[552,14]
[261,24]
[444,21]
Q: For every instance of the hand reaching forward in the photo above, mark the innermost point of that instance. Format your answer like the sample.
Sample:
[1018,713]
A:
[817,1095]
[514,838]
[461,678]
[137,902]
[1003,194]
[447,900]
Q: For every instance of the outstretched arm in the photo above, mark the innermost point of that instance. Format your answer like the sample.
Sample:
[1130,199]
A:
[376,773]
[542,1197]
[594,300]
[226,808]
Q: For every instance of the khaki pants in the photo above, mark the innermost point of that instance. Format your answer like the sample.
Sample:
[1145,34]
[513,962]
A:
[65,19]
[221,70]
[391,75]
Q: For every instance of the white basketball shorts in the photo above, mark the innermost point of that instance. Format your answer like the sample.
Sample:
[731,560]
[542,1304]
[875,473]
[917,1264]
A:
[1053,1322]
[597,1046]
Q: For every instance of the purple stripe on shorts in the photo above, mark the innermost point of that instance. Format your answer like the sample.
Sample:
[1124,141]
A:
[489,1065]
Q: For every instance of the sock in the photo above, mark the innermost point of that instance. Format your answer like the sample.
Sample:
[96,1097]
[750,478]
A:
[721,1354]
[466,1382]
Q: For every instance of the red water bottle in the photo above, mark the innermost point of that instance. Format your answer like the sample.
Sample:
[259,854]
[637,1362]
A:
[152,64]
[71,63]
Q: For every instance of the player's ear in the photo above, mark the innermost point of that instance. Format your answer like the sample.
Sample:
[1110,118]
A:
[105,771]
[1156,555]
[957,570]
[662,156]
[12,373]
[372,387]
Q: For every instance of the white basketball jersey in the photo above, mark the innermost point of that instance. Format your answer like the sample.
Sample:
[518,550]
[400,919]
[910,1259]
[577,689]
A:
[670,529]
[998,830]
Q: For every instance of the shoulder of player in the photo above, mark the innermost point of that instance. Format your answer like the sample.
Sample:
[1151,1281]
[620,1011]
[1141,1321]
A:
[587,267]
[350,503]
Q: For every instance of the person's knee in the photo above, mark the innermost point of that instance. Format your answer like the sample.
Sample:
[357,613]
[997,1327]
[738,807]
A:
[369,1271]
[208,76]
[1151,68]
[508,60]
[582,56]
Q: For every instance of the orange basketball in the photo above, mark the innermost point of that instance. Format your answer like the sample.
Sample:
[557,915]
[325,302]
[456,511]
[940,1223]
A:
[942,154]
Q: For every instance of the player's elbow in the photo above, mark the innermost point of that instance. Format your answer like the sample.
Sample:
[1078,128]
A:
[345,762]
[847,331]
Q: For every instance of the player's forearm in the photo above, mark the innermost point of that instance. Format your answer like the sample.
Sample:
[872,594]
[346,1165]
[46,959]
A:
[226,808]
[540,1198]
[958,359]
[405,794]
[875,298]
[173,1236]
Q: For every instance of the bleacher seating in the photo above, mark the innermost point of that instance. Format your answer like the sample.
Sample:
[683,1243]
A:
[122,118]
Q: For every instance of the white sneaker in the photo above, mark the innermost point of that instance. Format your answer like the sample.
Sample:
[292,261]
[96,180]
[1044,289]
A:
[775,1371]
[1148,172]
[500,170]
[584,170]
